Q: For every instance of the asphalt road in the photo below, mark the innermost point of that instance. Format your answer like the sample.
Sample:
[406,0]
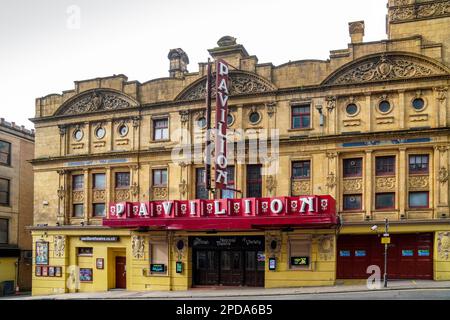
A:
[414,294]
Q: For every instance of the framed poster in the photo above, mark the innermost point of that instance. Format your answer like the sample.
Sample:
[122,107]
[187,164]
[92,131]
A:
[100,262]
[179,267]
[45,271]
[41,253]
[51,271]
[58,271]
[38,271]
[85,274]
[272,264]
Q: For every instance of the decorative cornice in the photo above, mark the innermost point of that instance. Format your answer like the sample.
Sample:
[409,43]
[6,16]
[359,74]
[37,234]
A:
[94,101]
[386,67]
[241,83]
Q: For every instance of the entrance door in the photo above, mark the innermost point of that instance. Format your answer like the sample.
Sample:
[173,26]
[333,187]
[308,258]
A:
[121,272]
[206,270]
[254,268]
[231,268]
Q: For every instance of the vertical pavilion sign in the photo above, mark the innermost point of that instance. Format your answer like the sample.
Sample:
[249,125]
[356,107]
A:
[222,93]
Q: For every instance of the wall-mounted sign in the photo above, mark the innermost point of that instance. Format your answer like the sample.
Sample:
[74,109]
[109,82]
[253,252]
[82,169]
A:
[157,267]
[423,253]
[41,253]
[260,257]
[228,242]
[179,267]
[99,238]
[100,263]
[86,274]
[360,253]
[385,240]
[222,92]
[344,253]
[242,214]
[95,162]
[272,264]
[407,253]
[299,261]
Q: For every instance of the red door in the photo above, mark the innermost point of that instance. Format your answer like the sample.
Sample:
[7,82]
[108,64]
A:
[409,256]
[121,272]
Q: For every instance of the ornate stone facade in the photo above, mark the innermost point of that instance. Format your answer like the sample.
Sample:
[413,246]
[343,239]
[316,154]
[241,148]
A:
[138,246]
[59,246]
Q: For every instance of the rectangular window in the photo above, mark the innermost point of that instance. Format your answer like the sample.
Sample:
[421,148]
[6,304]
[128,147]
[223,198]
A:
[352,167]
[385,166]
[301,169]
[299,254]
[385,200]
[301,117]
[160,177]
[5,153]
[4,231]
[161,129]
[418,199]
[78,210]
[85,251]
[254,181]
[229,194]
[78,182]
[99,181]
[159,254]
[200,184]
[352,202]
[4,192]
[418,164]
[99,210]
[122,179]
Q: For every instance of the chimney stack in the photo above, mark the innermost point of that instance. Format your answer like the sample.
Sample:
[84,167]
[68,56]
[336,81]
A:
[178,63]
[356,30]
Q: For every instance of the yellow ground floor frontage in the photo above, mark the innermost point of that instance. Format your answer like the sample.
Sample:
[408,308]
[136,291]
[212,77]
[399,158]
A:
[88,259]
[8,269]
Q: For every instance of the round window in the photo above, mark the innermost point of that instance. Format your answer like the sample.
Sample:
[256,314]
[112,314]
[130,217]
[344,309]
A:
[201,122]
[123,130]
[384,106]
[418,103]
[254,117]
[351,109]
[100,133]
[78,134]
[230,119]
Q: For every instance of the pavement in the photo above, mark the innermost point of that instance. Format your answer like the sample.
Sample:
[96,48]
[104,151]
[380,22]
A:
[245,292]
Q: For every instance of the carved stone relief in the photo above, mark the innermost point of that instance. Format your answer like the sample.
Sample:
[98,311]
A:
[418,182]
[385,183]
[59,246]
[78,196]
[326,247]
[352,185]
[331,180]
[443,175]
[121,195]
[138,246]
[300,187]
[443,245]
[159,193]
[410,11]
[241,83]
[385,67]
[271,183]
[99,195]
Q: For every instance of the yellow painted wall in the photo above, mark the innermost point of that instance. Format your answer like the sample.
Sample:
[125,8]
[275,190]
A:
[8,269]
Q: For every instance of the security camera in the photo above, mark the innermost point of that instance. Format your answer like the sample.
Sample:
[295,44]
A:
[374,228]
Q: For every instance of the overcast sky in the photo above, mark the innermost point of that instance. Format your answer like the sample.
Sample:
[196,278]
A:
[44,47]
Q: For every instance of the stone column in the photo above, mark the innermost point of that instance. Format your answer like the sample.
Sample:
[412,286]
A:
[109,197]
[368,192]
[441,99]
[87,196]
[402,182]
[441,189]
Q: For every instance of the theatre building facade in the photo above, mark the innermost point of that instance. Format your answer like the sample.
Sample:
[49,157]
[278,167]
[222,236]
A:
[362,137]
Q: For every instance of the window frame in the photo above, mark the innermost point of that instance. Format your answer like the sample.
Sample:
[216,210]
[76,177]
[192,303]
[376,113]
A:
[6,230]
[306,241]
[418,172]
[301,115]
[73,182]
[352,195]
[385,173]
[73,210]
[385,208]
[427,206]
[8,161]
[347,175]
[93,209]
[200,184]
[93,180]
[116,174]
[231,183]
[155,128]
[154,184]
[301,177]
[250,182]
[7,192]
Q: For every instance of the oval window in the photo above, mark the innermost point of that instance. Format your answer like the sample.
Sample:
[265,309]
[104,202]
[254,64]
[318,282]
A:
[418,103]
[123,130]
[351,109]
[201,122]
[384,106]
[100,133]
[254,117]
[78,134]
[230,120]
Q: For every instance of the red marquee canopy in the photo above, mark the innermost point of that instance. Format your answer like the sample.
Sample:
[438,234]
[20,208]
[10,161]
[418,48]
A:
[225,214]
